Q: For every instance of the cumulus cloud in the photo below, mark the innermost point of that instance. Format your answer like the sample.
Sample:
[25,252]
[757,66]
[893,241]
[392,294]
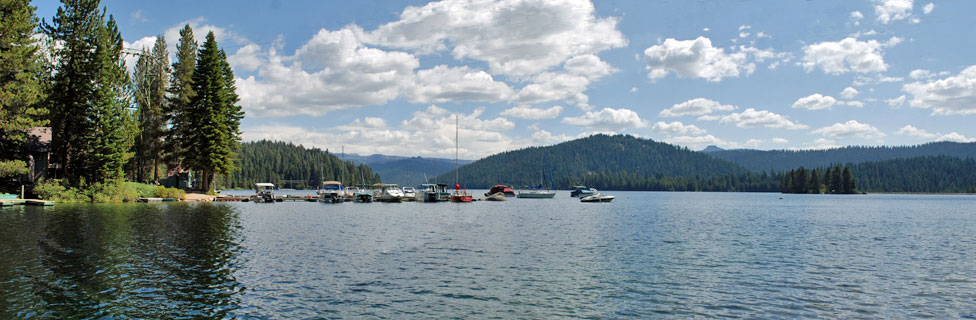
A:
[550,86]
[530,113]
[676,128]
[955,95]
[928,8]
[520,38]
[955,137]
[451,84]
[849,93]
[844,56]
[695,107]
[697,141]
[589,66]
[910,130]
[851,128]
[815,101]
[896,102]
[752,118]
[853,103]
[856,17]
[892,10]
[608,118]
[780,140]
[695,59]
[332,71]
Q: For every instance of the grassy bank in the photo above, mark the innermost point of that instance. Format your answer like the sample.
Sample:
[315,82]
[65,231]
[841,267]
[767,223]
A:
[114,191]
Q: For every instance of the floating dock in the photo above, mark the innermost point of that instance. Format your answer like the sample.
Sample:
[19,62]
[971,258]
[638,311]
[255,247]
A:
[30,202]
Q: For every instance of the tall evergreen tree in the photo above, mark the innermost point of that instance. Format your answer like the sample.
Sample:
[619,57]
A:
[180,94]
[213,114]
[836,180]
[848,181]
[814,181]
[21,89]
[90,96]
[150,81]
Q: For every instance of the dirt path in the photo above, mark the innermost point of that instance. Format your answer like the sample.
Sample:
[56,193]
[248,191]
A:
[198,197]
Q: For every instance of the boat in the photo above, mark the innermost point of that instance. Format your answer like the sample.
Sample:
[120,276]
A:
[505,190]
[409,194]
[331,192]
[581,191]
[362,195]
[264,192]
[497,196]
[383,192]
[458,195]
[433,192]
[536,193]
[597,197]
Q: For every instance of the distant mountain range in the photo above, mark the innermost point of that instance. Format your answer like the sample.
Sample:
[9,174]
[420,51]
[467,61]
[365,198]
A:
[783,160]
[406,171]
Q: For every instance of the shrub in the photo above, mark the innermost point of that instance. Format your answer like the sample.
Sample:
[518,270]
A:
[164,192]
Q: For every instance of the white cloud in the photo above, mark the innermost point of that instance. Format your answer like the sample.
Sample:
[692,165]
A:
[853,103]
[862,80]
[856,17]
[709,118]
[752,118]
[608,118]
[528,112]
[589,66]
[843,56]
[955,137]
[892,10]
[928,8]
[543,138]
[695,107]
[910,130]
[950,96]
[550,86]
[815,101]
[744,27]
[247,58]
[920,74]
[706,29]
[633,89]
[744,34]
[849,93]
[896,102]
[452,84]
[698,141]
[850,128]
[519,38]
[695,59]
[893,41]
[137,15]
[676,128]
[332,71]
[780,141]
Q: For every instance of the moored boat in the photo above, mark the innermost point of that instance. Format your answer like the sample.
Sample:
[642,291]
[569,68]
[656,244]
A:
[458,195]
[597,197]
[536,193]
[581,191]
[264,192]
[433,192]
[409,194]
[505,190]
[497,196]
[387,192]
[331,192]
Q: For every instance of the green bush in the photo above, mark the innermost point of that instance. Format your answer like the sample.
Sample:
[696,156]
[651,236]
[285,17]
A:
[164,192]
[53,190]
[110,191]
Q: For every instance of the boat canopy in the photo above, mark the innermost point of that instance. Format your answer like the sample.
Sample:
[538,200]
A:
[325,183]
[264,184]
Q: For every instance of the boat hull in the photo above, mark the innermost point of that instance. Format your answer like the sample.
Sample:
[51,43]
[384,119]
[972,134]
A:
[537,195]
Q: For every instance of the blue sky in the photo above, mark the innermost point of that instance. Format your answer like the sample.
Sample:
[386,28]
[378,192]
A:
[392,77]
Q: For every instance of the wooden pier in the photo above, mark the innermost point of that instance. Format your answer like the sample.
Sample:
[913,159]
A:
[30,202]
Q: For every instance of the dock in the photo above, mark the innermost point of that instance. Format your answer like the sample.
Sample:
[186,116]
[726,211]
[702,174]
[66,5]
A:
[30,202]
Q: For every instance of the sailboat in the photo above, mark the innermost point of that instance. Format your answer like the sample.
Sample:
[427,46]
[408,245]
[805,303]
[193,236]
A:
[458,195]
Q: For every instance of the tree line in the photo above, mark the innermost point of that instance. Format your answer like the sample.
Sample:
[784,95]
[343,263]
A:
[108,125]
[783,160]
[830,180]
[289,165]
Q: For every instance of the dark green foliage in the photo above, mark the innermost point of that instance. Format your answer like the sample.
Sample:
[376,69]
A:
[21,84]
[89,97]
[180,94]
[613,162]
[275,162]
[921,174]
[782,160]
[213,114]
[150,83]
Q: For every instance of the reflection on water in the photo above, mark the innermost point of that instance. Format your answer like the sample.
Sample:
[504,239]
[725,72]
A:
[141,261]
[645,255]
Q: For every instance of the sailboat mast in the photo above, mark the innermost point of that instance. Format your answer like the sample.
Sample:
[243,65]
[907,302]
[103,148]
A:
[456,146]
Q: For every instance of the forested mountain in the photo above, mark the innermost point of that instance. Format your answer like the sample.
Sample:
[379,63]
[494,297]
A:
[612,162]
[783,160]
[920,174]
[277,162]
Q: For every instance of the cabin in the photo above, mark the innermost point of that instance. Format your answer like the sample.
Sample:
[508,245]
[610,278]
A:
[178,177]
[39,154]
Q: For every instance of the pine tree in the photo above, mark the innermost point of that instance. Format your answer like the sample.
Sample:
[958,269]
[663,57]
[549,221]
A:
[213,114]
[21,84]
[180,94]
[814,182]
[848,181]
[836,180]
[89,96]
[150,81]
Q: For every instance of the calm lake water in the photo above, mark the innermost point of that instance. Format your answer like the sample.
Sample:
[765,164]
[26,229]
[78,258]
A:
[647,254]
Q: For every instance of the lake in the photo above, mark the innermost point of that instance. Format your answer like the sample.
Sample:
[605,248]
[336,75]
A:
[647,254]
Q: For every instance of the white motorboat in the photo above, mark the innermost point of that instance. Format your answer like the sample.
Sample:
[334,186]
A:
[331,192]
[597,197]
[387,192]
